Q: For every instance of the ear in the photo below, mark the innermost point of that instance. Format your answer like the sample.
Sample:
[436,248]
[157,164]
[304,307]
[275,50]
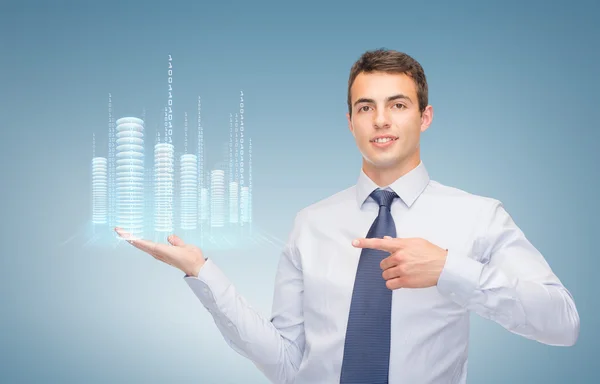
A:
[350,127]
[426,118]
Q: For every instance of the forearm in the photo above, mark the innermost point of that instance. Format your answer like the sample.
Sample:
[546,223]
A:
[540,309]
[244,329]
[550,313]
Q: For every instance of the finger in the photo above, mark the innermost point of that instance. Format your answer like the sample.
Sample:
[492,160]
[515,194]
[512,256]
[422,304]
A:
[391,273]
[175,240]
[124,234]
[144,245]
[396,283]
[159,251]
[391,261]
[156,250]
[389,245]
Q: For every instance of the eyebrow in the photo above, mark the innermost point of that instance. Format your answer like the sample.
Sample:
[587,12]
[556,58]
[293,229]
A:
[395,97]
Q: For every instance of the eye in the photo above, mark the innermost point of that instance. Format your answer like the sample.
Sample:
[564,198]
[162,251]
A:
[361,109]
[400,105]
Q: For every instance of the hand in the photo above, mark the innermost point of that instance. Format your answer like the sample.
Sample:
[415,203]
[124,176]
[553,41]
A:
[413,262]
[186,257]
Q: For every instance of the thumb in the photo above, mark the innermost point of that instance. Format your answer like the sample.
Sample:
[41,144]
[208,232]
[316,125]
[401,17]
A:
[175,240]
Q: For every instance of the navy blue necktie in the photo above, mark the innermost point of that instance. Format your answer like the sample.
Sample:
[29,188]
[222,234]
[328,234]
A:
[367,345]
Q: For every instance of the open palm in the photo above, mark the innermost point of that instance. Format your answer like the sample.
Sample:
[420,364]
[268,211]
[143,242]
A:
[186,257]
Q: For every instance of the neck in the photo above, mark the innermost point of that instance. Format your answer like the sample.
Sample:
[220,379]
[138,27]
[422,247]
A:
[386,176]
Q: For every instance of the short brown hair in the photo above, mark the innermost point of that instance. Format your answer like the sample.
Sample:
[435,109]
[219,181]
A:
[390,61]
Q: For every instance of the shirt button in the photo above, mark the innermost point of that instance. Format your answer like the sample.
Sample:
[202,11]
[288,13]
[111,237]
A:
[205,290]
[230,324]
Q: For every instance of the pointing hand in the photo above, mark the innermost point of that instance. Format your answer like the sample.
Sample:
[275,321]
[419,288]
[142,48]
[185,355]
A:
[412,263]
[186,257]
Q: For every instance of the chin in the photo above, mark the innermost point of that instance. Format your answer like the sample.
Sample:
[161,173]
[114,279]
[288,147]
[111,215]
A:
[390,162]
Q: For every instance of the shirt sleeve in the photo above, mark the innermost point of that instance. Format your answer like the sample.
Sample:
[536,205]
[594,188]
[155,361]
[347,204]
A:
[275,345]
[511,283]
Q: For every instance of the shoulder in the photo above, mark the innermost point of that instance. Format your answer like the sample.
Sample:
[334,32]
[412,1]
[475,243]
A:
[461,200]
[329,205]
[314,213]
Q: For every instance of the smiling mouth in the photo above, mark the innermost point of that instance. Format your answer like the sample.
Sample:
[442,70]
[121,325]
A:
[383,140]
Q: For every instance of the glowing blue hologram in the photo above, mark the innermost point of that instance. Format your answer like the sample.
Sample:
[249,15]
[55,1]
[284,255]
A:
[244,202]
[163,183]
[217,198]
[233,202]
[213,206]
[189,191]
[233,185]
[129,173]
[250,180]
[99,190]
[112,217]
[204,205]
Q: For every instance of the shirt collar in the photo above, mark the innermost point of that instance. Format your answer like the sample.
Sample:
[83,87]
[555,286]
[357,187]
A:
[408,187]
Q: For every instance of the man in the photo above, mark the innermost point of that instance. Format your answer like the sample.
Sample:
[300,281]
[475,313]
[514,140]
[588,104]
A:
[393,305]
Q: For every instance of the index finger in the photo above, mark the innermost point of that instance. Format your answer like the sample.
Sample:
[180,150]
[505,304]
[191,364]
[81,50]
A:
[145,245]
[389,245]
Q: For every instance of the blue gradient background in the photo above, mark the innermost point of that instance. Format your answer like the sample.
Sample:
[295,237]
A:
[515,94]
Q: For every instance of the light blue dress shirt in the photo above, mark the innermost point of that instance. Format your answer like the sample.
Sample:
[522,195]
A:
[491,269]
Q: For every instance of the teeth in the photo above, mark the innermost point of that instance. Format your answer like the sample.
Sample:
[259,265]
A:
[383,140]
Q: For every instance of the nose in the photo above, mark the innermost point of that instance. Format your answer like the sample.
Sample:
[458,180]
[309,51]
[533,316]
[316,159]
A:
[381,119]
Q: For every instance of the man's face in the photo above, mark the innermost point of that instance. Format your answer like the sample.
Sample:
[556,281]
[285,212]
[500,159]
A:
[386,105]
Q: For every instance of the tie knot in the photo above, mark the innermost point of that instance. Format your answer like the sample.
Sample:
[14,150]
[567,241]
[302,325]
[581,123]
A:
[383,197]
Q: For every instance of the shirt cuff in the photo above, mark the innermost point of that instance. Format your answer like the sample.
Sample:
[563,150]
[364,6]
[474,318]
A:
[210,285]
[460,277]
